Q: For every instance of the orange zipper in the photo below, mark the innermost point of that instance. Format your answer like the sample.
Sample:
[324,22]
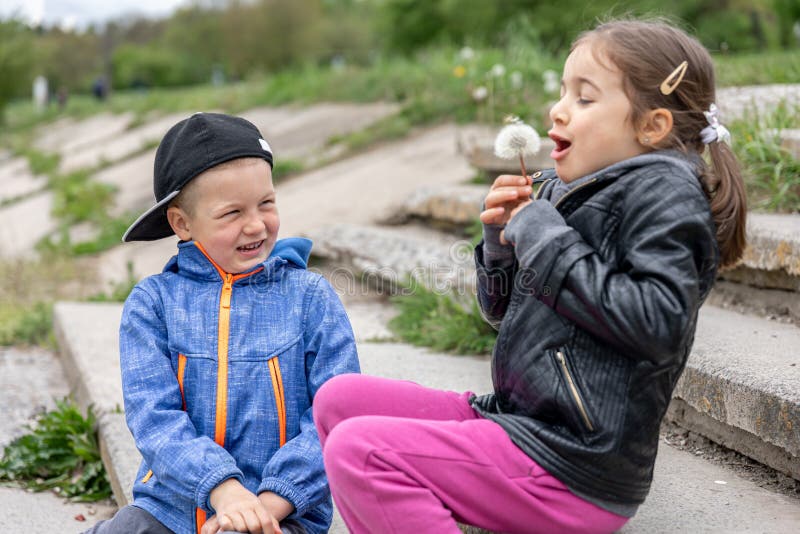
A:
[280,400]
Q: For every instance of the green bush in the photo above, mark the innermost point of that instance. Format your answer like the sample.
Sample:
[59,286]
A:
[59,453]
[153,66]
[16,61]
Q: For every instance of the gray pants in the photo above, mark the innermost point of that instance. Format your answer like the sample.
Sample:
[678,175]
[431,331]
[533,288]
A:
[133,520]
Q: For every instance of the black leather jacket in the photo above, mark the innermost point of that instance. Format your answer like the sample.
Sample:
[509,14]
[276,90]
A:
[598,317]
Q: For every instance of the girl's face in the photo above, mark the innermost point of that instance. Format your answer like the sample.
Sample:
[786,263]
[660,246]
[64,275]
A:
[591,122]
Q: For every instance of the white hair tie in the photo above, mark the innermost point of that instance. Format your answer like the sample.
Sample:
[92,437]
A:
[714,131]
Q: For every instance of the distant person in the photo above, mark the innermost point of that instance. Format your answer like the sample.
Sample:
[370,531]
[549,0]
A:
[595,284]
[100,88]
[41,93]
[223,353]
[61,98]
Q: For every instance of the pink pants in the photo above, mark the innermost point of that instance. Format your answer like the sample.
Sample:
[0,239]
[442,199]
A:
[404,458]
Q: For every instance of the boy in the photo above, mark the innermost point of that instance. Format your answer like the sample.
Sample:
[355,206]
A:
[223,352]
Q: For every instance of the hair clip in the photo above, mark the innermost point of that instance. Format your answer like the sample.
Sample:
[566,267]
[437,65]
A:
[674,79]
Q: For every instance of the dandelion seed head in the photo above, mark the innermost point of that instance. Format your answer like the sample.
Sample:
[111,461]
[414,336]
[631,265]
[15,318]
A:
[480,93]
[516,139]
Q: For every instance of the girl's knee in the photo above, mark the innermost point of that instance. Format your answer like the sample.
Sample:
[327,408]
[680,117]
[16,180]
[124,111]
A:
[347,448]
[330,401]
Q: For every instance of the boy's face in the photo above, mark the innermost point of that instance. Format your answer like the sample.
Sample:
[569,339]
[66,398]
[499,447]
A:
[233,215]
[591,123]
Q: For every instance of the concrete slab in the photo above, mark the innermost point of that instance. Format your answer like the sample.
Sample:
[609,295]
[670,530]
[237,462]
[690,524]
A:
[449,206]
[133,179]
[744,374]
[685,497]
[116,147]
[45,513]
[735,102]
[354,190]
[24,223]
[17,180]
[66,136]
[387,256]
[772,256]
[302,132]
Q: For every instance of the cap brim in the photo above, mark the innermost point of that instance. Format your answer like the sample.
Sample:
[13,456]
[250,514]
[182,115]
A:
[152,224]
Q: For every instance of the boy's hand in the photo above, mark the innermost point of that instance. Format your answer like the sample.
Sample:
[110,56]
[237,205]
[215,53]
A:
[507,196]
[279,507]
[240,510]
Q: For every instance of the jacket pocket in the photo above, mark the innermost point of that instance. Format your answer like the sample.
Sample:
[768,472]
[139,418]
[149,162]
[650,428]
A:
[577,405]
[280,397]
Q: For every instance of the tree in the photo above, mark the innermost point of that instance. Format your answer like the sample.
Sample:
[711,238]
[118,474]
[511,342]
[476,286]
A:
[16,61]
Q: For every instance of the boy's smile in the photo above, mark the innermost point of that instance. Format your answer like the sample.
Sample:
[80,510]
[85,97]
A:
[591,123]
[234,216]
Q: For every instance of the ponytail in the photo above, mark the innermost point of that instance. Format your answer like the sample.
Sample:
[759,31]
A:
[725,189]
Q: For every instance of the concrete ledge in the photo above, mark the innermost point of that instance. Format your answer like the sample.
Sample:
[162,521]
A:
[744,373]
[387,257]
[88,341]
[772,256]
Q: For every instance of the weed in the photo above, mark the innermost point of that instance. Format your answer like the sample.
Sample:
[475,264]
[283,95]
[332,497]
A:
[286,167]
[120,290]
[439,321]
[40,162]
[27,325]
[59,453]
[77,198]
[772,173]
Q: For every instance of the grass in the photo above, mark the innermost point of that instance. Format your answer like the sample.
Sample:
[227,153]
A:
[27,325]
[772,173]
[758,68]
[27,294]
[119,291]
[59,453]
[436,320]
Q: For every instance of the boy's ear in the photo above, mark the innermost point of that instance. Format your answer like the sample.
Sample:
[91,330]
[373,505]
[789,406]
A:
[180,223]
[655,126]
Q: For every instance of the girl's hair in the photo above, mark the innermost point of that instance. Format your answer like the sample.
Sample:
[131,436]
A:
[647,52]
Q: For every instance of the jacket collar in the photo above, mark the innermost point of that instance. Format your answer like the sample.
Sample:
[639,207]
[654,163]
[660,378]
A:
[691,163]
[191,261]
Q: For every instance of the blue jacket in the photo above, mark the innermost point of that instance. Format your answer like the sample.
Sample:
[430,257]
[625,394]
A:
[219,372]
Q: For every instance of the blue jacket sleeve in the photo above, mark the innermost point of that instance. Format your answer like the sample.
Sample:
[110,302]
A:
[189,464]
[296,471]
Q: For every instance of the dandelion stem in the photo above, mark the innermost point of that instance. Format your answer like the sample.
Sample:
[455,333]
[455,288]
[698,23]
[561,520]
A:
[522,165]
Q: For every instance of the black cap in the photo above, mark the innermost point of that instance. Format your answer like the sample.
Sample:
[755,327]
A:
[189,148]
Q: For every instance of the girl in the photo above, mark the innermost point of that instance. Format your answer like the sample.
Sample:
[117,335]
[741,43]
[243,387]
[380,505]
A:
[595,285]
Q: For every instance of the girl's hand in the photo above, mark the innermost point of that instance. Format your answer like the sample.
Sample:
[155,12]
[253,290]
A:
[507,196]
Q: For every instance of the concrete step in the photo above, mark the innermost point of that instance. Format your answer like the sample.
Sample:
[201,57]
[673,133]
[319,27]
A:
[388,256]
[688,493]
[741,385]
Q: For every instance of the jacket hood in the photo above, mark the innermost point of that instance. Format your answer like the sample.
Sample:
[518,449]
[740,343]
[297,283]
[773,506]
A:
[192,261]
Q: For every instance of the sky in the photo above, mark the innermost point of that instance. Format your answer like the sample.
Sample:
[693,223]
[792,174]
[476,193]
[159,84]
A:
[80,13]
